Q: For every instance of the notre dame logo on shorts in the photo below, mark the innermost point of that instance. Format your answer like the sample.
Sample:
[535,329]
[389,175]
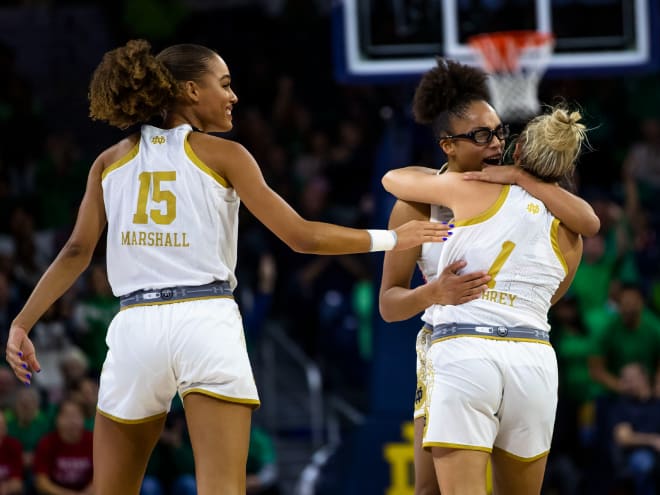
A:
[419,395]
[158,140]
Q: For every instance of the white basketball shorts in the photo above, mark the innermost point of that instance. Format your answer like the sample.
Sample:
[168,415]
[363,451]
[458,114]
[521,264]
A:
[488,393]
[157,351]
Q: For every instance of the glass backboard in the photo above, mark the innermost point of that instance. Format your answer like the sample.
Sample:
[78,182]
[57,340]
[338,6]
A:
[397,39]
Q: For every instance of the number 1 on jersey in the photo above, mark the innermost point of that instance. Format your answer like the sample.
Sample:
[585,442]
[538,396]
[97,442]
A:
[157,196]
[507,248]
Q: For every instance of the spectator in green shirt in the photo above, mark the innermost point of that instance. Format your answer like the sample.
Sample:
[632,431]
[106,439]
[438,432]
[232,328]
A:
[262,474]
[632,336]
[574,423]
[592,279]
[92,317]
[607,256]
[27,423]
[574,344]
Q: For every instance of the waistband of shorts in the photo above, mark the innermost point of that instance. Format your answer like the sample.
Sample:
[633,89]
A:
[526,334]
[150,297]
[427,328]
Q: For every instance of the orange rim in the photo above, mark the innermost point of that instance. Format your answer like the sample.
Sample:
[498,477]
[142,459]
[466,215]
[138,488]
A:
[501,50]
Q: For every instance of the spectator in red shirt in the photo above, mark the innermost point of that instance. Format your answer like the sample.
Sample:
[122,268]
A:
[11,462]
[63,459]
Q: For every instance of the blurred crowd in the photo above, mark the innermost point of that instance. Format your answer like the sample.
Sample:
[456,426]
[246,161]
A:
[320,145]
[606,331]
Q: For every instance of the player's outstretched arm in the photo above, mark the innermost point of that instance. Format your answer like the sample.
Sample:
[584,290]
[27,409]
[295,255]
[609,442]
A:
[571,210]
[238,166]
[71,261]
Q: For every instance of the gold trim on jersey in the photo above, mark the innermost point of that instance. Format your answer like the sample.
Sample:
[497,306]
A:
[159,303]
[131,421]
[554,240]
[522,459]
[250,402]
[201,165]
[122,161]
[494,208]
[460,446]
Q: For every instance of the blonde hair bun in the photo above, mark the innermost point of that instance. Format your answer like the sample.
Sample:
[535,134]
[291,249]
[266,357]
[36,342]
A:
[551,143]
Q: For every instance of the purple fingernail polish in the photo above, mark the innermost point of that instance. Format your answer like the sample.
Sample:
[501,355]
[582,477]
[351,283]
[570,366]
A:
[450,233]
[24,366]
[444,238]
[20,354]
[451,225]
[28,376]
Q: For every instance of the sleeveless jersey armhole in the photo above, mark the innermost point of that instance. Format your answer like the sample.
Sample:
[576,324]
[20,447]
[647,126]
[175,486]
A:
[492,210]
[554,240]
[201,165]
[122,161]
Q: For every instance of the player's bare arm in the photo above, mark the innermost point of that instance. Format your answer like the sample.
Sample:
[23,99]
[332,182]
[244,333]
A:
[71,261]
[236,164]
[419,184]
[397,301]
[571,210]
[570,245]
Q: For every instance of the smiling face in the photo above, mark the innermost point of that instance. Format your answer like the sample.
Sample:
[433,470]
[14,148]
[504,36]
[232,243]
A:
[464,154]
[213,99]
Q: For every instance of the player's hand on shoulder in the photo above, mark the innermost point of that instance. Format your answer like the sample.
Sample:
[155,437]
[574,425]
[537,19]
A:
[499,174]
[416,232]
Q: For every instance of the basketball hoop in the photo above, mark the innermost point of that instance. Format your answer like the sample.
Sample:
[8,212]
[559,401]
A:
[515,62]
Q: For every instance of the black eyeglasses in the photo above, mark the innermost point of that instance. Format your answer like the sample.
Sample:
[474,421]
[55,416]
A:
[483,135]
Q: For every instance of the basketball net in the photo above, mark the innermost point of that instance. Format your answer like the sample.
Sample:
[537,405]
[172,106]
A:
[515,62]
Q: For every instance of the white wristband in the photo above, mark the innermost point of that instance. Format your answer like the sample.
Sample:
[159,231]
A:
[382,240]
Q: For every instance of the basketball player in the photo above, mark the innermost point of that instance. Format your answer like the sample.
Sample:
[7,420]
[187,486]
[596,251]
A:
[397,300]
[170,196]
[496,394]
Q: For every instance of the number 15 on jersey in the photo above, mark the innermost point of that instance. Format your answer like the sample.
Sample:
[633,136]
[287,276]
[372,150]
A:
[152,182]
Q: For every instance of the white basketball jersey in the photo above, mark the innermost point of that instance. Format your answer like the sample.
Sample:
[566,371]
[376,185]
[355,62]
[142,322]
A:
[430,256]
[171,219]
[515,240]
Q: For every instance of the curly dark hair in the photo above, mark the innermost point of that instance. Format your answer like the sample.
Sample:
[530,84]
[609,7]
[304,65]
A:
[447,90]
[132,86]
